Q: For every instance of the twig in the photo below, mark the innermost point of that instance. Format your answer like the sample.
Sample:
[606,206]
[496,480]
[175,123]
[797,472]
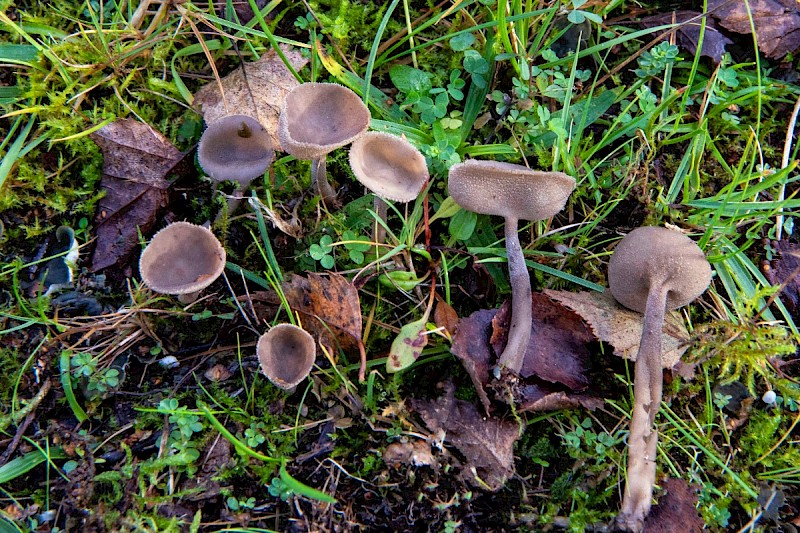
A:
[787,149]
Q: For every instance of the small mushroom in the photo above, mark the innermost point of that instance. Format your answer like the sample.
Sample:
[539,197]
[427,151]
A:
[58,273]
[286,354]
[652,270]
[516,193]
[182,259]
[236,148]
[390,167]
[317,118]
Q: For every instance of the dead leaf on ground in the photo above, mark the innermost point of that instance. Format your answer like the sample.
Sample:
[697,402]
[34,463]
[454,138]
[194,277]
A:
[557,350]
[471,346]
[486,443]
[621,327]
[539,399]
[688,34]
[675,511]
[445,316]
[784,269]
[329,308]
[777,22]
[557,353]
[137,161]
[259,91]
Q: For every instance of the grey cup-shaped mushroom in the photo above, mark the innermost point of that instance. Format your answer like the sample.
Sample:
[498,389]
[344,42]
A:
[236,148]
[182,259]
[286,353]
[652,270]
[515,193]
[317,118]
[390,167]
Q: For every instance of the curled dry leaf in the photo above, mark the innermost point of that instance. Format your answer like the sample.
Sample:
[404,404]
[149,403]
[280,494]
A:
[329,308]
[621,327]
[486,443]
[688,34]
[777,22]
[445,316]
[471,346]
[137,160]
[256,89]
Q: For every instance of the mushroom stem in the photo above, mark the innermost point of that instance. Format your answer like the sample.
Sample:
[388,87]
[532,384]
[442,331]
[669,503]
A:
[319,181]
[519,334]
[643,436]
[380,231]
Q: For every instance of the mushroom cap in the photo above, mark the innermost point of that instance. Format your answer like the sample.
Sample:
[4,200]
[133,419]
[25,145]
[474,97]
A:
[286,354]
[508,190]
[317,118]
[389,166]
[182,258]
[650,256]
[237,148]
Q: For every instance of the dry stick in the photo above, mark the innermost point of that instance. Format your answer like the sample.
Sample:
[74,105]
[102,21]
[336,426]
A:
[29,412]
[787,148]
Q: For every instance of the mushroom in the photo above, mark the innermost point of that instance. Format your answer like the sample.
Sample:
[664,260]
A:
[58,270]
[286,354]
[514,192]
[391,168]
[182,259]
[236,148]
[317,118]
[652,270]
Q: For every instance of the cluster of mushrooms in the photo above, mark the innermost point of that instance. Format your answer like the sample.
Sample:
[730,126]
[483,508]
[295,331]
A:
[651,271]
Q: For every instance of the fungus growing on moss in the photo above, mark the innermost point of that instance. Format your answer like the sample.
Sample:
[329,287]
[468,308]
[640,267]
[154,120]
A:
[515,193]
[652,270]
[317,118]
[182,259]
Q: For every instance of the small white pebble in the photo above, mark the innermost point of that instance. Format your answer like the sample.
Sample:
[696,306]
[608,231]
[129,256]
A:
[169,361]
[769,397]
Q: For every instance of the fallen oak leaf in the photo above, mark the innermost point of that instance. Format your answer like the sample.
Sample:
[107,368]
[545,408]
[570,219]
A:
[676,510]
[136,163]
[471,347]
[622,328]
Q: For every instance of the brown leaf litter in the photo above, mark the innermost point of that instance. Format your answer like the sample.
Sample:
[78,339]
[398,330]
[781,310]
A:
[256,89]
[137,161]
[776,22]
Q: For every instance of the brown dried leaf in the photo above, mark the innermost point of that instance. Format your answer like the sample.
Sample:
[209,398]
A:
[136,163]
[487,443]
[329,308]
[445,316]
[784,269]
[675,511]
[777,22]
[415,453]
[621,327]
[557,350]
[258,91]
[688,34]
[539,399]
[471,346]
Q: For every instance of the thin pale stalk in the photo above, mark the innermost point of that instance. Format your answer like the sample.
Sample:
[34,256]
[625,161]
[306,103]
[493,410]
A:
[380,209]
[643,436]
[519,334]
[319,181]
